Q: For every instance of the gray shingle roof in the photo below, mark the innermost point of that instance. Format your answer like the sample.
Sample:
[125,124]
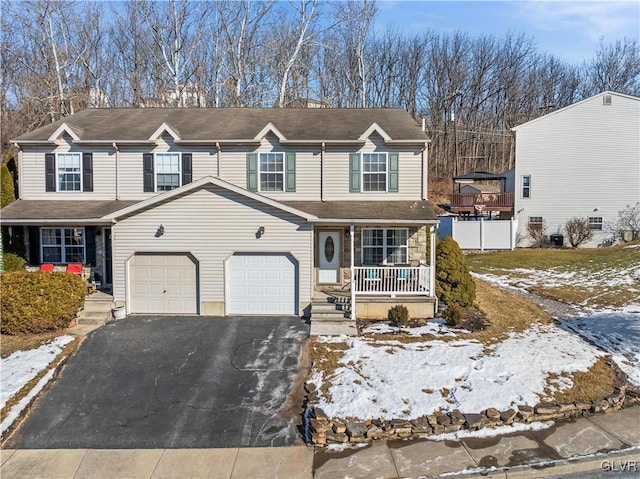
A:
[60,209]
[220,124]
[368,210]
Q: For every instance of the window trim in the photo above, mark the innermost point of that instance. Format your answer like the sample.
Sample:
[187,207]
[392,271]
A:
[596,223]
[527,188]
[386,172]
[156,171]
[282,172]
[384,246]
[62,246]
[80,172]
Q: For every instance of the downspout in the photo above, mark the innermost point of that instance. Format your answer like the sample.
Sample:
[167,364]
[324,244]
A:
[322,151]
[115,147]
[425,171]
[218,158]
[353,276]
[432,263]
[20,188]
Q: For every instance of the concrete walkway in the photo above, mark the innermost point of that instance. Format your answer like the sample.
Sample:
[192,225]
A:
[605,445]
[233,463]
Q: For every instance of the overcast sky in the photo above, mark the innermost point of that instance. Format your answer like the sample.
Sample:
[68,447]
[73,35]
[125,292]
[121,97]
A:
[570,30]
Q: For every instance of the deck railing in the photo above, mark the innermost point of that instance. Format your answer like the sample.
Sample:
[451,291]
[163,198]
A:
[392,280]
[490,200]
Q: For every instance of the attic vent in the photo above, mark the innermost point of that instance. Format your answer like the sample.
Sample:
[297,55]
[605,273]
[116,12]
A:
[606,100]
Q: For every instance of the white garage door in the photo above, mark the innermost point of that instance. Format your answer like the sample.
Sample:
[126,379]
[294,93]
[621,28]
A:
[163,284]
[261,284]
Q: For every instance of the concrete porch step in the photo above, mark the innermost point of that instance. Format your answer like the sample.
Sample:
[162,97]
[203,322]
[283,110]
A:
[96,310]
[329,316]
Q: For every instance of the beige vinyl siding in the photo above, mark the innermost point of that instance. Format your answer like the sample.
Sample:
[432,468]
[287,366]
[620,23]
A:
[212,224]
[336,172]
[204,163]
[33,173]
[233,168]
[583,158]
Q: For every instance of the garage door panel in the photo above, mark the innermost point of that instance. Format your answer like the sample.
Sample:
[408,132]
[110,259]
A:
[261,284]
[164,284]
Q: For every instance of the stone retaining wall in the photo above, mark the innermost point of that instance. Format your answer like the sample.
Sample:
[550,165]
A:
[320,430]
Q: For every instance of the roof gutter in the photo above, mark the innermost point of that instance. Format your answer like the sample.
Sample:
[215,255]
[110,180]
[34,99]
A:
[374,221]
[59,221]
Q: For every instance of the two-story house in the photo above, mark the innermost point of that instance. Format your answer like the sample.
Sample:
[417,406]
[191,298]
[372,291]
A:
[233,211]
[579,161]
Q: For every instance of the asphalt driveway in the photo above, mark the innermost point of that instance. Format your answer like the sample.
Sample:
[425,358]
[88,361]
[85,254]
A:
[174,382]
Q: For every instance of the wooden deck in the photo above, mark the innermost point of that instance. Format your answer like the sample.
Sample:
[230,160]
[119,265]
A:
[466,202]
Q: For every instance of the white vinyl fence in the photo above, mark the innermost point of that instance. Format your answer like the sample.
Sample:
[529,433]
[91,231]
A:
[482,235]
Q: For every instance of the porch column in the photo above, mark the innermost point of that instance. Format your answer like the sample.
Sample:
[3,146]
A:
[353,273]
[432,263]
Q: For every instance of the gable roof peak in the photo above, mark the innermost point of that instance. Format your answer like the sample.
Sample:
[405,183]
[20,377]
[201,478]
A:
[375,128]
[270,127]
[62,129]
[165,128]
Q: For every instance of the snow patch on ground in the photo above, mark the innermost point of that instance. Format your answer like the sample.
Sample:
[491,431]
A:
[21,367]
[389,379]
[434,327]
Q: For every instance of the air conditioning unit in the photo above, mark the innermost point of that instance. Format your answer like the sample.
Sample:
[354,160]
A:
[556,240]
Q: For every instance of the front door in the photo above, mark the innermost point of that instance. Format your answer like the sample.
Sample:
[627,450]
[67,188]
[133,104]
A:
[329,257]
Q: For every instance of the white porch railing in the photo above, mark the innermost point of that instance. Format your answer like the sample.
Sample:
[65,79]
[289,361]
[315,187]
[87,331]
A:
[391,280]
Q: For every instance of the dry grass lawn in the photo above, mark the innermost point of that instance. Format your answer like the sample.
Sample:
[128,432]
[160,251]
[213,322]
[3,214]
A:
[9,344]
[591,385]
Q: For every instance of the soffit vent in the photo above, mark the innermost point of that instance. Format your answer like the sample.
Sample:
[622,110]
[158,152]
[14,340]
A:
[606,100]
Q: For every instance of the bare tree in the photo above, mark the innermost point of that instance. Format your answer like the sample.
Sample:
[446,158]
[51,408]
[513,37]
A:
[240,25]
[578,231]
[538,233]
[615,67]
[627,227]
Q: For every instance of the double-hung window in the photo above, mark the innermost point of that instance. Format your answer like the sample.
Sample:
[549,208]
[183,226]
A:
[595,223]
[69,172]
[167,171]
[271,169]
[62,245]
[536,222]
[526,186]
[385,246]
[374,172]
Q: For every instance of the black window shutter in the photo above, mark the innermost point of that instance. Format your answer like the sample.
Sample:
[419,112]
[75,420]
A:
[147,160]
[50,171]
[87,171]
[187,172]
[34,245]
[90,245]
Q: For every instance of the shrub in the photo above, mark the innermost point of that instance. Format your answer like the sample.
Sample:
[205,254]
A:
[538,233]
[398,315]
[13,262]
[452,315]
[578,231]
[454,284]
[39,302]
[8,194]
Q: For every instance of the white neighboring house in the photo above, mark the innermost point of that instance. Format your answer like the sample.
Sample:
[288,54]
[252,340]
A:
[580,161]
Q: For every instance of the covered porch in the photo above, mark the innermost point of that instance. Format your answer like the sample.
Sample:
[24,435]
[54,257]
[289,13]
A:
[371,255]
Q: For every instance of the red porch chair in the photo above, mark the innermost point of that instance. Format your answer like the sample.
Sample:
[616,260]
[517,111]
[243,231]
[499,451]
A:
[75,268]
[46,267]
